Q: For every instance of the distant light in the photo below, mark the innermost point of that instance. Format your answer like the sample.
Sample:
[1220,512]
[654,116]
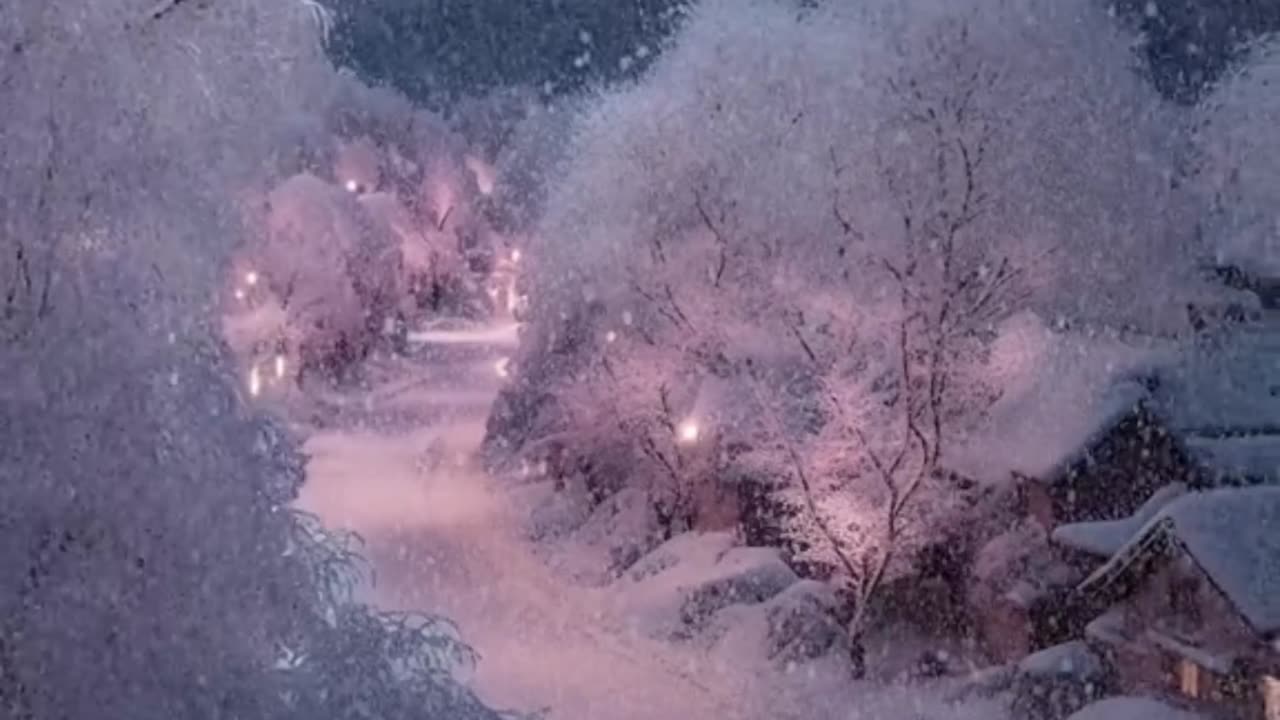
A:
[239,294]
[513,298]
[251,278]
[610,336]
[626,317]
[280,366]
[515,255]
[687,432]
[255,382]
[502,367]
[352,186]
[483,174]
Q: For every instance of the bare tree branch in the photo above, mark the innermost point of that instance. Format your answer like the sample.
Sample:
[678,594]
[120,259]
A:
[721,244]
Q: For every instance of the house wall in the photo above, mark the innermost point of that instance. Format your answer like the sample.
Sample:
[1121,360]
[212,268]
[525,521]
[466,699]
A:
[1004,630]
[1036,501]
[1178,600]
[1121,471]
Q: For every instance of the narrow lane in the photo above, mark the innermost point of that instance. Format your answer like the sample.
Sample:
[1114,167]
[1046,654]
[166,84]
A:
[395,465]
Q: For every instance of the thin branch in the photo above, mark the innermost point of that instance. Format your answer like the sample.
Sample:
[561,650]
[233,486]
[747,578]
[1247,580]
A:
[671,298]
[804,345]
[807,490]
[164,8]
[721,243]
[657,304]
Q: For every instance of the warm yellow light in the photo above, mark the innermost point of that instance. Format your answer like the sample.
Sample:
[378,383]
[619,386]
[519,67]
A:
[688,431]
[255,382]
[280,366]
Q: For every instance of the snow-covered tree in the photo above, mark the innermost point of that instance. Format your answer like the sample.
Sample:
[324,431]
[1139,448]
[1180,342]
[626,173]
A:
[756,102]
[153,568]
[806,226]
[901,376]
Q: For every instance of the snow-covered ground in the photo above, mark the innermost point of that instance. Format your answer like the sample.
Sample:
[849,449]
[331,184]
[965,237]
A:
[442,538]
[394,463]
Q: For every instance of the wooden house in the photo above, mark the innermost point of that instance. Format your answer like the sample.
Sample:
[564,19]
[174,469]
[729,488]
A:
[1077,433]
[1099,427]
[1192,601]
[1130,454]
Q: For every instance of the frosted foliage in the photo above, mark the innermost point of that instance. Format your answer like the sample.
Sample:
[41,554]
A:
[154,570]
[804,230]
[1240,162]
[776,117]
[123,119]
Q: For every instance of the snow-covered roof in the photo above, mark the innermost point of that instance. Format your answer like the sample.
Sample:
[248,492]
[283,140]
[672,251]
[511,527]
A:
[1061,392]
[1106,537]
[1070,659]
[1132,708]
[1233,534]
[1232,384]
[1255,457]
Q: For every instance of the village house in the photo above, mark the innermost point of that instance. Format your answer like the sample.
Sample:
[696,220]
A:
[1191,598]
[1072,437]
[1089,439]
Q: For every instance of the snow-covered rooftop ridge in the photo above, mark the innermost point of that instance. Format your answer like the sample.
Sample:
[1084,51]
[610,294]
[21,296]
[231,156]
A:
[1061,392]
[1232,534]
[1106,537]
[1131,708]
[1256,457]
[1070,659]
[1231,386]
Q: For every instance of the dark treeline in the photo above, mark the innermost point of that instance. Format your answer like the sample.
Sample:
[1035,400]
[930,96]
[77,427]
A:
[436,50]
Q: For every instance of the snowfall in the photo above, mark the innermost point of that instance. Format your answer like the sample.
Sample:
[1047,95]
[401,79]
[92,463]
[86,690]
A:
[141,143]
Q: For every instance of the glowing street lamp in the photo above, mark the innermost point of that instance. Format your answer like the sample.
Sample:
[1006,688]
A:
[255,382]
[688,431]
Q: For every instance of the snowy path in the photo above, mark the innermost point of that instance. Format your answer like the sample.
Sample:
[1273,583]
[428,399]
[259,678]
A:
[443,537]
